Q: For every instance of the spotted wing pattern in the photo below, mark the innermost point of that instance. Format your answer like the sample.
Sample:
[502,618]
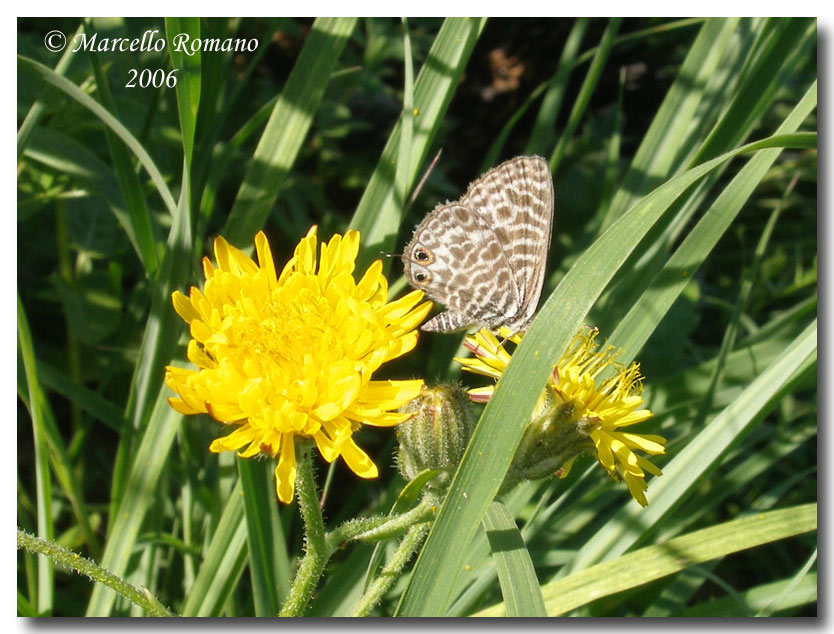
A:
[484,255]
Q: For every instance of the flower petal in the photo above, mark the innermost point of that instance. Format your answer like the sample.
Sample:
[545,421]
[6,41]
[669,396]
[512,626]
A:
[358,460]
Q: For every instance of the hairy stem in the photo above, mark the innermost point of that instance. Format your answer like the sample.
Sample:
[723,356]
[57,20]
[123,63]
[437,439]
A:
[408,546]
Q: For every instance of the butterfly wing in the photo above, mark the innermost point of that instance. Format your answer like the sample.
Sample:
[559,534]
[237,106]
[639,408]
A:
[457,259]
[516,200]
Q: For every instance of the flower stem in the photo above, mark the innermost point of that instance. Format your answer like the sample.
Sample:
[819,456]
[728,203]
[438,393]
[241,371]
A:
[73,561]
[316,553]
[409,544]
[376,529]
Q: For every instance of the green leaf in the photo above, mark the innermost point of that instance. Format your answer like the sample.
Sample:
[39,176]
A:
[587,90]
[141,226]
[46,529]
[519,584]
[223,564]
[268,562]
[655,562]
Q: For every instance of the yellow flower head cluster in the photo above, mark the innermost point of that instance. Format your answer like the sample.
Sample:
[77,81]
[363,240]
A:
[600,408]
[289,355]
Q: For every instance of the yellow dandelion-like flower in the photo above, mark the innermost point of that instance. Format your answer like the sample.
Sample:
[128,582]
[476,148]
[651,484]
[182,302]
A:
[291,355]
[597,409]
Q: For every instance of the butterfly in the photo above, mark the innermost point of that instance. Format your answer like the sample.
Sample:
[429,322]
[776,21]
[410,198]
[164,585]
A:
[483,256]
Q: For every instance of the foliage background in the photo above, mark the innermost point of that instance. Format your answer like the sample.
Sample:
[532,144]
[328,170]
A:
[100,248]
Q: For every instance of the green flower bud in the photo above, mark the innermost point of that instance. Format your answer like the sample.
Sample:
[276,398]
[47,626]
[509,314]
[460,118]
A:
[436,437]
[551,442]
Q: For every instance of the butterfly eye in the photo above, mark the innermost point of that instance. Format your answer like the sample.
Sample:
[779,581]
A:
[423,256]
[422,277]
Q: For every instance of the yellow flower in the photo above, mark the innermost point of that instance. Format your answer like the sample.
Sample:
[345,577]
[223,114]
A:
[292,355]
[596,409]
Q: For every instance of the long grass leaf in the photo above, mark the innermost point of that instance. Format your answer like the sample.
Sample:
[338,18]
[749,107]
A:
[223,563]
[139,494]
[43,484]
[287,127]
[656,562]
[263,535]
[646,313]
[141,227]
[519,584]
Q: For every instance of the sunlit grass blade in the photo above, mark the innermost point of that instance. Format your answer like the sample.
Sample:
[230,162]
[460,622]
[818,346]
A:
[519,584]
[655,562]
[378,216]
[763,78]
[287,128]
[499,431]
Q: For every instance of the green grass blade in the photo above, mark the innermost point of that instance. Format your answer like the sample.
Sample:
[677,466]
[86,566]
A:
[584,97]
[188,78]
[519,584]
[655,562]
[378,217]
[140,493]
[287,127]
[499,431]
[763,79]
[140,226]
[50,77]
[407,120]
[43,484]
[223,563]
[542,136]
[268,563]
[804,593]
[643,317]
[658,153]
[30,122]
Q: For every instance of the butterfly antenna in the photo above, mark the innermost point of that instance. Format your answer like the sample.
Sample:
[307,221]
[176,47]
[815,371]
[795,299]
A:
[423,180]
[390,255]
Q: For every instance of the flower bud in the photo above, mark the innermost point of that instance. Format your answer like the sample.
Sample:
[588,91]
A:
[437,435]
